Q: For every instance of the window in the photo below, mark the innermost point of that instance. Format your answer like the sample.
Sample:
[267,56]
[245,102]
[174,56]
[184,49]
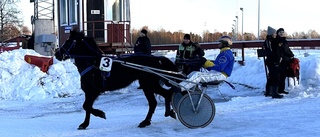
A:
[63,13]
[73,10]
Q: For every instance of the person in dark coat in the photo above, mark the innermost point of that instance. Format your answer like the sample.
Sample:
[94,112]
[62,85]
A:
[286,56]
[143,45]
[273,59]
[189,51]
[31,42]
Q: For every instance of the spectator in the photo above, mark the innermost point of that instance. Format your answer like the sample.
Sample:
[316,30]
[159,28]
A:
[218,70]
[286,56]
[31,42]
[25,43]
[272,61]
[143,45]
[187,55]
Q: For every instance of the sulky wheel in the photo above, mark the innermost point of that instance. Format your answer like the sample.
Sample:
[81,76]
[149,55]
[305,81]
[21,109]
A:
[200,118]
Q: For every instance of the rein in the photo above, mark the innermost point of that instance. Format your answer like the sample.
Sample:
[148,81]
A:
[81,56]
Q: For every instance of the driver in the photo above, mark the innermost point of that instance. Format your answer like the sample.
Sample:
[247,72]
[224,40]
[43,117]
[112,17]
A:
[218,70]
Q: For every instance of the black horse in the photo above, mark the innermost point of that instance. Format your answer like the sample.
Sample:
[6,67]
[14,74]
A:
[87,58]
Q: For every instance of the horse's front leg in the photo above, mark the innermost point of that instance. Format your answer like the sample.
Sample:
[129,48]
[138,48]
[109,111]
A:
[152,106]
[87,106]
[86,121]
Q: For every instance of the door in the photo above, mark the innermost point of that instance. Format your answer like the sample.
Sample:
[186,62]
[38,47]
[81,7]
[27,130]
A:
[95,18]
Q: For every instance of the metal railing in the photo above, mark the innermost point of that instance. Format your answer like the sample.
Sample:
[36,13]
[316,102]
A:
[242,45]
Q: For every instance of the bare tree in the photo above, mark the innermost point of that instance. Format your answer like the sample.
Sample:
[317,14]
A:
[263,34]
[25,30]
[249,36]
[295,35]
[313,34]
[162,36]
[9,14]
[10,31]
[216,36]
[303,35]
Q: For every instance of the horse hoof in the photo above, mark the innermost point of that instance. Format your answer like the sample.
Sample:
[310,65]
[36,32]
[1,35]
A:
[172,114]
[103,116]
[144,123]
[99,113]
[81,128]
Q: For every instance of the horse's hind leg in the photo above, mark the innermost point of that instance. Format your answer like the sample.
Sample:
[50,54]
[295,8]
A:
[167,96]
[87,106]
[152,106]
[169,111]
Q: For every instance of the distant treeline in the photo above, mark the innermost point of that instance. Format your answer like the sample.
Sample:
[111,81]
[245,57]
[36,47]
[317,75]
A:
[158,37]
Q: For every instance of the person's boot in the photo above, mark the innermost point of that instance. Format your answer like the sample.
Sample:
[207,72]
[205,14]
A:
[274,92]
[267,93]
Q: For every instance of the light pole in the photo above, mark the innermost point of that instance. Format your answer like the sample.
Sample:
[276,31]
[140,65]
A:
[233,31]
[242,24]
[258,19]
[237,28]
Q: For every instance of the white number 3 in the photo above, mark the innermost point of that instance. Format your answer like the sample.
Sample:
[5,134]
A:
[105,64]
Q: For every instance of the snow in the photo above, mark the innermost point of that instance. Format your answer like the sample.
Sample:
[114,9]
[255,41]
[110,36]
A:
[34,103]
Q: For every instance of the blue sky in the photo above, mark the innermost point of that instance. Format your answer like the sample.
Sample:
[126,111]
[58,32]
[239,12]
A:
[218,15]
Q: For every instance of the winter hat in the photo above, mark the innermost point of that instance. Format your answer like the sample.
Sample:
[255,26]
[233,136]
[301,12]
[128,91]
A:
[144,31]
[280,29]
[226,39]
[271,30]
[186,36]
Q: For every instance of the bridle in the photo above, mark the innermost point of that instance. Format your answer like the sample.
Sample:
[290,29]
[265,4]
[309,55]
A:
[74,42]
[67,54]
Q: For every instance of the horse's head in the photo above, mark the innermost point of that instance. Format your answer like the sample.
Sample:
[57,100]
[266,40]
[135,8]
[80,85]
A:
[69,47]
[77,45]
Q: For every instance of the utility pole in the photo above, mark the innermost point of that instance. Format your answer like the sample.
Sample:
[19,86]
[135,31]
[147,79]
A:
[237,28]
[258,19]
[242,38]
